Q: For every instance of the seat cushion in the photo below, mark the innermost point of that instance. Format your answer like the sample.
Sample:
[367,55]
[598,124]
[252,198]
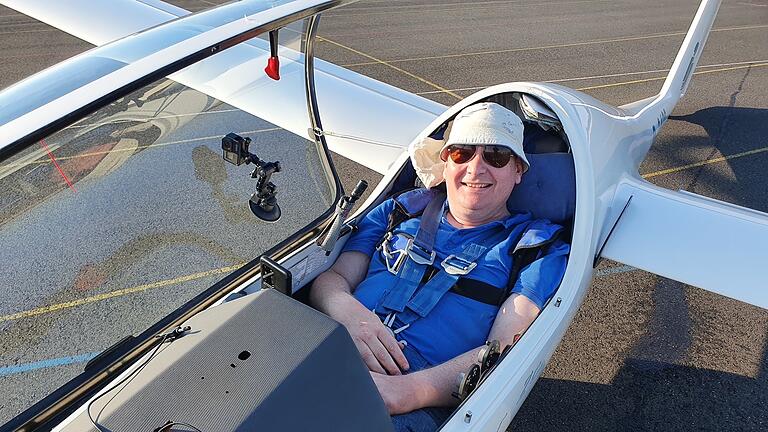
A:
[548,188]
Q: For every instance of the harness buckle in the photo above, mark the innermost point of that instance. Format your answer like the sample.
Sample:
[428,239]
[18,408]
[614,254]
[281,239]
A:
[418,254]
[392,258]
[457,266]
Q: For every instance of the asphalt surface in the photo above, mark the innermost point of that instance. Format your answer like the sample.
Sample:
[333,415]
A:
[644,352]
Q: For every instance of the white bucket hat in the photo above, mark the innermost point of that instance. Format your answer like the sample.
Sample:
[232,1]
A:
[485,123]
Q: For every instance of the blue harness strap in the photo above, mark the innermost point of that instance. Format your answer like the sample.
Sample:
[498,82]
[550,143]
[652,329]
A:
[411,258]
[428,295]
[453,267]
[405,297]
[420,257]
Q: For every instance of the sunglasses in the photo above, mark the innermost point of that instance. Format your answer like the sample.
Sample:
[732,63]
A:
[495,155]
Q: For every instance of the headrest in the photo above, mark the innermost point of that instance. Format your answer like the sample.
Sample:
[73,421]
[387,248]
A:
[548,188]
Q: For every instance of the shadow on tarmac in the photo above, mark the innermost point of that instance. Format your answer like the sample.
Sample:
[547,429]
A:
[730,131]
[649,396]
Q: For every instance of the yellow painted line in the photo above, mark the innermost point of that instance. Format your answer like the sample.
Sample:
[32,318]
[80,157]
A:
[29,31]
[84,155]
[705,162]
[377,61]
[623,83]
[616,75]
[568,45]
[742,65]
[117,293]
[756,65]
[462,7]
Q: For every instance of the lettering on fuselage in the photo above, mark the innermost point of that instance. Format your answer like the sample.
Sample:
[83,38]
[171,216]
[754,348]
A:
[660,120]
[688,71]
[531,380]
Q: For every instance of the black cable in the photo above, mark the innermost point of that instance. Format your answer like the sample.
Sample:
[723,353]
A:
[176,333]
[166,426]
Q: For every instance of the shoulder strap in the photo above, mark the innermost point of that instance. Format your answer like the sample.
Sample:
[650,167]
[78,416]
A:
[408,205]
[420,255]
[522,257]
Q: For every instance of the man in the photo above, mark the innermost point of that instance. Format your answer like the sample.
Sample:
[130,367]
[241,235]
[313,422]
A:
[414,335]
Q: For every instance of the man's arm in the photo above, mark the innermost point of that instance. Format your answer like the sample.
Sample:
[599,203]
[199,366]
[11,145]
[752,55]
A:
[332,294]
[433,387]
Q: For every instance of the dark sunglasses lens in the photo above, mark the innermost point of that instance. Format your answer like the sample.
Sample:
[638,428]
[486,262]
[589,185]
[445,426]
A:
[497,156]
[461,153]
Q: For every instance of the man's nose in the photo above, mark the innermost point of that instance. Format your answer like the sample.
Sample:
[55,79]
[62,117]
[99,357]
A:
[477,164]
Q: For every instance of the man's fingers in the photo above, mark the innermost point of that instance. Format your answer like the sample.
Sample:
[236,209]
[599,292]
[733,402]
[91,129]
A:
[383,356]
[395,350]
[370,359]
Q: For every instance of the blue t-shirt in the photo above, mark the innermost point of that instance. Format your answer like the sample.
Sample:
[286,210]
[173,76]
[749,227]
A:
[457,323]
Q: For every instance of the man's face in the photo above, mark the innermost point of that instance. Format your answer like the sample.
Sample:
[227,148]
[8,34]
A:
[477,191]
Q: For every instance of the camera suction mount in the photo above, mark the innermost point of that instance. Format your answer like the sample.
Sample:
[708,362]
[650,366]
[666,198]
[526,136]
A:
[263,202]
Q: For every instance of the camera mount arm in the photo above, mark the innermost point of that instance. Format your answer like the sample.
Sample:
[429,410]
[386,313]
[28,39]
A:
[263,202]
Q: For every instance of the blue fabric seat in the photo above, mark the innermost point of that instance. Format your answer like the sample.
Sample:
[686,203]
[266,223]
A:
[548,189]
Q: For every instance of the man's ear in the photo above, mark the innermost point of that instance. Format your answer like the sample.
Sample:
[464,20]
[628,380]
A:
[519,168]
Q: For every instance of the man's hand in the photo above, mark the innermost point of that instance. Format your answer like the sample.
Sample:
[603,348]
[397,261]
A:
[400,393]
[332,293]
[378,347]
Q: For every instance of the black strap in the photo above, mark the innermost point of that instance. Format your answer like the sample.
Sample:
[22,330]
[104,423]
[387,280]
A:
[397,216]
[472,289]
[487,293]
[479,291]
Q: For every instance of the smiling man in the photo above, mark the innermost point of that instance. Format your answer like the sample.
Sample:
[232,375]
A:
[427,280]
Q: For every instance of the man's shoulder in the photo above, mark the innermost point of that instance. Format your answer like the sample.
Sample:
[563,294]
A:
[414,201]
[538,232]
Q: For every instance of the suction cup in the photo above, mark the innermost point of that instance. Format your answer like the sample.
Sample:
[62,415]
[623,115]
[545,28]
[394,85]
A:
[265,212]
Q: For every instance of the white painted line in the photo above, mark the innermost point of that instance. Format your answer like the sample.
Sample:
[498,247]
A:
[614,270]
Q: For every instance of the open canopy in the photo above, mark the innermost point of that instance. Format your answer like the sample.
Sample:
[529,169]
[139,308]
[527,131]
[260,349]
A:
[115,192]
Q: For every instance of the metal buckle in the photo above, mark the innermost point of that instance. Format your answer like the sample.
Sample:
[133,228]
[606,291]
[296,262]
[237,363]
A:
[390,255]
[454,265]
[418,254]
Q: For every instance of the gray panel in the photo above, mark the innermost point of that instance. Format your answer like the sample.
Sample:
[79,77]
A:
[303,373]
